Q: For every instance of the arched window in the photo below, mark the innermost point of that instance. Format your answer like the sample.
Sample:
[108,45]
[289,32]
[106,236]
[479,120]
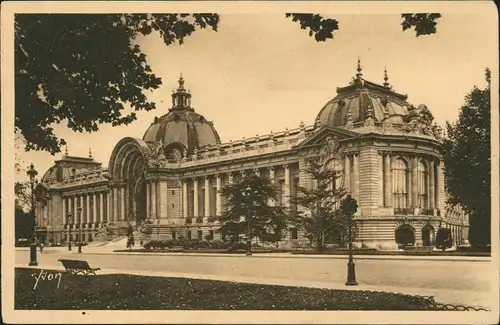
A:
[400,183]
[422,185]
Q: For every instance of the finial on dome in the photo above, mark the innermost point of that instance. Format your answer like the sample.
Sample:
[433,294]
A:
[181,82]
[358,69]
[90,152]
[386,79]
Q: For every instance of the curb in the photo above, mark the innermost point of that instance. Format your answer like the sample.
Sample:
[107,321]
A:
[265,255]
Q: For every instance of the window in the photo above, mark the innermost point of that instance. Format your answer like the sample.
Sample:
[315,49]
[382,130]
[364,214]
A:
[173,205]
[173,192]
[422,185]
[400,183]
[335,166]
[293,233]
[211,235]
[174,235]
[189,234]
[200,234]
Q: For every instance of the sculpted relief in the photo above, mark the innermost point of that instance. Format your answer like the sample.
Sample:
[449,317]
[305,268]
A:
[420,121]
[330,146]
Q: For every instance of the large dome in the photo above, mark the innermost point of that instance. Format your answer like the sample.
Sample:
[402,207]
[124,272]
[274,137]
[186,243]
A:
[362,99]
[182,128]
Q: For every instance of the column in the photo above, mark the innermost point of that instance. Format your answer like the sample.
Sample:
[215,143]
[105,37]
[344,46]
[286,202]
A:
[355,167]
[115,204]
[94,208]
[207,196]
[432,188]
[87,210]
[101,207]
[185,198]
[287,186]
[154,212]
[108,203]
[163,195]
[122,205]
[148,200]
[65,211]
[218,201]
[195,198]
[414,181]
[347,173]
[70,209]
[387,181]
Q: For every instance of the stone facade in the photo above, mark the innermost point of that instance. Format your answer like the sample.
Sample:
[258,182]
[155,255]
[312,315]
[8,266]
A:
[387,151]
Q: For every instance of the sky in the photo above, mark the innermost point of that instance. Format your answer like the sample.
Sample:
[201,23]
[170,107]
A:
[261,72]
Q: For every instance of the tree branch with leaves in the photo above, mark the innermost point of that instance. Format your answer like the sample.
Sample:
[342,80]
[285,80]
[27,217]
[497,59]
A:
[249,199]
[320,213]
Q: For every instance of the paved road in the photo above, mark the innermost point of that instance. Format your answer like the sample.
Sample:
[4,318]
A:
[455,275]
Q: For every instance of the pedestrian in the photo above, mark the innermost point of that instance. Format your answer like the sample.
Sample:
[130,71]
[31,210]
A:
[41,247]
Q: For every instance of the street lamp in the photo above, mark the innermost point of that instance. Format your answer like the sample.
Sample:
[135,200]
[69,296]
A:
[349,207]
[79,209]
[32,175]
[69,231]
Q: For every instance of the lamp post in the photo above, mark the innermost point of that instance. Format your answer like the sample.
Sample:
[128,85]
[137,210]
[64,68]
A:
[349,207]
[69,231]
[32,175]
[249,224]
[79,229]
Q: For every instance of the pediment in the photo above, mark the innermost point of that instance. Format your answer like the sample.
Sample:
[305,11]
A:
[325,135]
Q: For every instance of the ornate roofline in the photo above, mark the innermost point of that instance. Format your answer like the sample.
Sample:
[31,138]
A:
[365,84]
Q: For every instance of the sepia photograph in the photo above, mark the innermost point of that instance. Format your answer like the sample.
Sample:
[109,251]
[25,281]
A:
[250,162]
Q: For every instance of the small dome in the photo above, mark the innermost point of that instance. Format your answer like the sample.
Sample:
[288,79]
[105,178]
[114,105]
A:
[182,128]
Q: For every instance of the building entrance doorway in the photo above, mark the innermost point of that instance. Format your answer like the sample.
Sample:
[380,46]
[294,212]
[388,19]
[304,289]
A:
[405,236]
[428,235]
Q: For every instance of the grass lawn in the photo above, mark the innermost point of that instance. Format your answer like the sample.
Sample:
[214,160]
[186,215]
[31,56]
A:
[128,292]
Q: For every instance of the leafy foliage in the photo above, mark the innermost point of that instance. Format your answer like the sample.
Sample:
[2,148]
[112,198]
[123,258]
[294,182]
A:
[444,239]
[24,224]
[83,69]
[467,162]
[321,204]
[249,199]
[423,24]
[321,28]
[22,192]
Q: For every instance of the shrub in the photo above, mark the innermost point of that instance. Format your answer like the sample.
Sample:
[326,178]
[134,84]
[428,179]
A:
[444,239]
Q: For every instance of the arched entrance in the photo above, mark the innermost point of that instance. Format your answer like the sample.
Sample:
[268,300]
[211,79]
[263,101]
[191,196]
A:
[405,235]
[428,235]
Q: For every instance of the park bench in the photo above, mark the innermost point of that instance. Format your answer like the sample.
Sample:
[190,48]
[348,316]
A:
[76,267]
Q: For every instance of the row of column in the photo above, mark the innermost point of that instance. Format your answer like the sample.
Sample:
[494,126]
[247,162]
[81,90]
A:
[218,198]
[92,212]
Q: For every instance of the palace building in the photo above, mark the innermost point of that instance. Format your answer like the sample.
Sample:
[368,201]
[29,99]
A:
[387,151]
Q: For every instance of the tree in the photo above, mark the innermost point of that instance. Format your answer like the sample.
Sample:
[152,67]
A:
[467,162]
[65,74]
[24,223]
[321,205]
[249,198]
[82,69]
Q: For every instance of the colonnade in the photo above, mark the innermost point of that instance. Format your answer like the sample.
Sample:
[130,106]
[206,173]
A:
[95,208]
[199,195]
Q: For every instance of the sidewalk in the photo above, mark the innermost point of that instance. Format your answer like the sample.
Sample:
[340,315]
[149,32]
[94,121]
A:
[111,251]
[455,297]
